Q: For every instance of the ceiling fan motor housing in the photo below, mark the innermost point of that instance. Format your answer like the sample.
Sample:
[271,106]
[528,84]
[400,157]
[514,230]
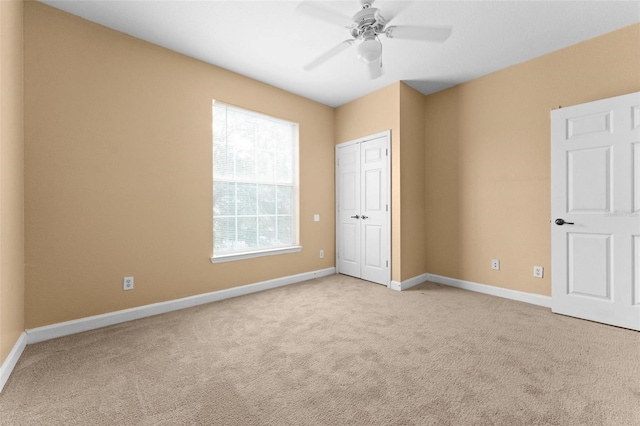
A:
[367,21]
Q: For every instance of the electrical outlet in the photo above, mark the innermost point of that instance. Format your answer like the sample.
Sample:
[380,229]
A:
[127,283]
[316,218]
[321,254]
[495,264]
[538,271]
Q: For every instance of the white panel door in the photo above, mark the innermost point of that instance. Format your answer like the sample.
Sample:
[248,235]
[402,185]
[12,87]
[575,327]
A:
[348,217]
[374,236]
[363,225]
[595,181]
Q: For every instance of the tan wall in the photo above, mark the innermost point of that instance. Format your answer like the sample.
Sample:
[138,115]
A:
[377,112]
[412,178]
[11,176]
[118,167]
[488,159]
[118,171]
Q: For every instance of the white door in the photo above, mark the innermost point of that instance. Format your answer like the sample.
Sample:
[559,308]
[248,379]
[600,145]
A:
[595,181]
[348,209]
[363,217]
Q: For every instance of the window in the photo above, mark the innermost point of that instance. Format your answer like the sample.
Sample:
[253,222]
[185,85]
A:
[255,184]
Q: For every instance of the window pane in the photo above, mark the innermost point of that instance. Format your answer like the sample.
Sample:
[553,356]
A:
[285,230]
[246,198]
[222,161]
[245,162]
[266,199]
[241,135]
[265,166]
[224,198]
[267,231]
[284,169]
[285,200]
[267,134]
[247,233]
[241,128]
[219,124]
[284,139]
[224,233]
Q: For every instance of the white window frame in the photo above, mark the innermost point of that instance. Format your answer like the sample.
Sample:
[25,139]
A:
[269,251]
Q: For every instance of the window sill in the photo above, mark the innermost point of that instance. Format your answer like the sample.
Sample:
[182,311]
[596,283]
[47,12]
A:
[252,254]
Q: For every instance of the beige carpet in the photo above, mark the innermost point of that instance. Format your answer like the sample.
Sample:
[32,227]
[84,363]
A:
[335,351]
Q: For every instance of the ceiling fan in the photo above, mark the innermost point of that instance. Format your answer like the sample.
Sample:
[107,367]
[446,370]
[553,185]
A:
[365,28]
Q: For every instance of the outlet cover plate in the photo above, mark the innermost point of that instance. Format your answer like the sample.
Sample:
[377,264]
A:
[127,283]
[495,264]
[538,271]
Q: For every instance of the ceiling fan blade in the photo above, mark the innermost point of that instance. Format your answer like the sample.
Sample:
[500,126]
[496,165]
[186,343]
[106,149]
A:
[375,69]
[328,55]
[405,32]
[394,8]
[324,14]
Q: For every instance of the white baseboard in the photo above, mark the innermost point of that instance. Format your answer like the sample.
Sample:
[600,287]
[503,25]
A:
[534,299]
[12,359]
[406,284]
[53,331]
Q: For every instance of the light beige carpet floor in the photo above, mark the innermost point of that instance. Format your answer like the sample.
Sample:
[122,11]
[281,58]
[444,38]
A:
[335,351]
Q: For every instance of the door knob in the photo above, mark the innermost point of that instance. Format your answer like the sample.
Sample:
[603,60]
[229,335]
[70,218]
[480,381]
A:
[562,222]
[365,217]
[356,217]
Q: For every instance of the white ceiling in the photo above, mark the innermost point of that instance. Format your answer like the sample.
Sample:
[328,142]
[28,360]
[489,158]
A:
[270,41]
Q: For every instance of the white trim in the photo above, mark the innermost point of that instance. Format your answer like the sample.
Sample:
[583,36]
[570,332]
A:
[406,284]
[91,323]
[12,359]
[520,296]
[534,299]
[249,255]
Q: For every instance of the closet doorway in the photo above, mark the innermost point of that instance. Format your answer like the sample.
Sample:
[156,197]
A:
[363,208]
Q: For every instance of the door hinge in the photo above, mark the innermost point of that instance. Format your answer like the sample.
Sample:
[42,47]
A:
[387,207]
[387,263]
[386,152]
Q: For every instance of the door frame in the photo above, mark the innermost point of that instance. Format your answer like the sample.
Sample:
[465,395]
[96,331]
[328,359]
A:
[387,253]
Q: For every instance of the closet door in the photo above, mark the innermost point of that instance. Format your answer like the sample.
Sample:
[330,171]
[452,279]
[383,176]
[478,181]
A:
[363,217]
[348,204]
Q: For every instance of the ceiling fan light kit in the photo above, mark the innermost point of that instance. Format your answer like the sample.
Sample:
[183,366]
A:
[369,50]
[365,27]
